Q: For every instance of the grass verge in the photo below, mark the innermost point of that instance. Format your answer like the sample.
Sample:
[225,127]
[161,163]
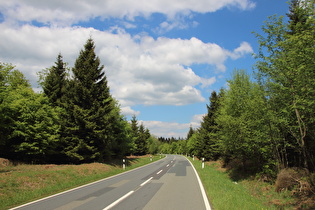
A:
[24,183]
[223,193]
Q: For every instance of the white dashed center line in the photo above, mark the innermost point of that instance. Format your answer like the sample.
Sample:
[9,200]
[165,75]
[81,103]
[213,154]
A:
[146,182]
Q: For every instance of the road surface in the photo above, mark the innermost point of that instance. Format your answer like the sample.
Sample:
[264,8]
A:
[170,183]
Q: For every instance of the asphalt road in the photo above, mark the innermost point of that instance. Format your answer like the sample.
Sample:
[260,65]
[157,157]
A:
[170,183]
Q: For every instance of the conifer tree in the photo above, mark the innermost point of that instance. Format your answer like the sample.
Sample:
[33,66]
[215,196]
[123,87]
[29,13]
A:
[140,137]
[206,143]
[134,134]
[92,112]
[142,140]
[55,82]
[134,126]
[190,133]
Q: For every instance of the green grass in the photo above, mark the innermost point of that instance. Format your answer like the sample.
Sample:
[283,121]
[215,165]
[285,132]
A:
[24,183]
[223,193]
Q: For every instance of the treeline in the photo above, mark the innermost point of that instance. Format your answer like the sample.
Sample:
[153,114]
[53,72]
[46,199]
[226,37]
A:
[74,120]
[266,123]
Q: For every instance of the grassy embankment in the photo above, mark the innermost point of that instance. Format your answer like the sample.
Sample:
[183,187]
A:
[225,193]
[23,183]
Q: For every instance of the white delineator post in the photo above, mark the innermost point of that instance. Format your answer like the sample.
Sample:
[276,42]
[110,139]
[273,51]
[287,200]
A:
[203,163]
[124,165]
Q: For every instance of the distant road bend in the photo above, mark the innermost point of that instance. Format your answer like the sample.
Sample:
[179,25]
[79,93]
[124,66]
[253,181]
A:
[170,183]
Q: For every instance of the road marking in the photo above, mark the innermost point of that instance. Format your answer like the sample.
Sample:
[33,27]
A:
[167,165]
[146,182]
[125,196]
[119,200]
[203,192]
[86,185]
[159,172]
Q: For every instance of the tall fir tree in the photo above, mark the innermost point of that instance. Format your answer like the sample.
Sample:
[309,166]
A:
[207,143]
[140,137]
[142,140]
[299,13]
[92,112]
[190,132]
[134,126]
[54,84]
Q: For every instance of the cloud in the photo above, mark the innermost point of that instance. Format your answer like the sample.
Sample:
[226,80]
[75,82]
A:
[243,49]
[196,120]
[128,111]
[139,69]
[167,129]
[172,129]
[32,49]
[180,21]
[60,12]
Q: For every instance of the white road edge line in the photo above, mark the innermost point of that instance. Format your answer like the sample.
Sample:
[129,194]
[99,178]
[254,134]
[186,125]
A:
[119,200]
[159,172]
[146,182]
[203,192]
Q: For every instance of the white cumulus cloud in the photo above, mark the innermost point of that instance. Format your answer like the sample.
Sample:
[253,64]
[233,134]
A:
[167,129]
[173,129]
[66,12]
[140,69]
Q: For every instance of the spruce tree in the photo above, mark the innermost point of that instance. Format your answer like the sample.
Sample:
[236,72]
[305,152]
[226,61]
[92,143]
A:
[206,144]
[55,82]
[142,140]
[92,112]
[299,13]
[140,137]
[134,126]
[190,133]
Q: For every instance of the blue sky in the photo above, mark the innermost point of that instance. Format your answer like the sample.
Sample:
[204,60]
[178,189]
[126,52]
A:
[162,58]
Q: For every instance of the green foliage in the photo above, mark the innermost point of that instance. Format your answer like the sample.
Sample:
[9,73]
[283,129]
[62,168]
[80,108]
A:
[54,82]
[244,123]
[6,84]
[269,124]
[286,67]
[141,138]
[207,141]
[190,132]
[75,119]
[165,148]
[35,130]
[29,126]
[191,145]
[94,129]
[154,144]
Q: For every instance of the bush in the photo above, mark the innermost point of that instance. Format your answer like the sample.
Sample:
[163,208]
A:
[295,179]
[4,162]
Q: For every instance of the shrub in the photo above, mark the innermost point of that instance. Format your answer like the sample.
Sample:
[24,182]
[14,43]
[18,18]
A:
[295,179]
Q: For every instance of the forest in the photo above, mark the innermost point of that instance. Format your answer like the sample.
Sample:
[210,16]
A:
[73,120]
[263,122]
